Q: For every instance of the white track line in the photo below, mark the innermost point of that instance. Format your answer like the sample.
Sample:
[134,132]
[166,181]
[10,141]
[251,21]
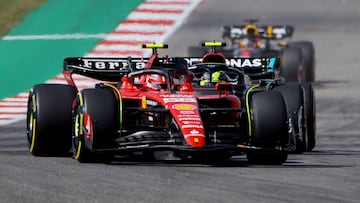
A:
[55,36]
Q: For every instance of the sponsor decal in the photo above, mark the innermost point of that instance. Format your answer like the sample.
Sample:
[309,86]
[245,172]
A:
[187,112]
[192,126]
[279,32]
[143,102]
[176,96]
[193,61]
[237,32]
[193,135]
[105,64]
[184,107]
[151,103]
[245,62]
[179,100]
[233,62]
[191,122]
[111,64]
[189,118]
[194,132]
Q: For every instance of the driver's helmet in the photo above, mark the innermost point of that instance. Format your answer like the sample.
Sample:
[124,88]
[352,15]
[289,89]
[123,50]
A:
[252,39]
[155,82]
[218,76]
[252,33]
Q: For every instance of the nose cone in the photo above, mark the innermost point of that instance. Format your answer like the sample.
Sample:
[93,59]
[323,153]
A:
[184,109]
[195,138]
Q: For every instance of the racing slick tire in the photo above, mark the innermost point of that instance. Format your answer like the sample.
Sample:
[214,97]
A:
[293,95]
[269,128]
[310,112]
[291,67]
[48,120]
[308,55]
[95,124]
[196,51]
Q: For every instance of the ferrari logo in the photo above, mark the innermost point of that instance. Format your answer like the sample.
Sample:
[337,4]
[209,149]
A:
[196,140]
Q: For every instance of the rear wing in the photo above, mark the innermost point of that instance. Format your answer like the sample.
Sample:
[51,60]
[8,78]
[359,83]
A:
[269,32]
[106,69]
[113,69]
[241,63]
[255,68]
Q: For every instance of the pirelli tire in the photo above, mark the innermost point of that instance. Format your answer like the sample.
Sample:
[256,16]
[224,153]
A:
[310,112]
[196,51]
[48,122]
[293,94]
[269,128]
[291,67]
[308,54]
[95,124]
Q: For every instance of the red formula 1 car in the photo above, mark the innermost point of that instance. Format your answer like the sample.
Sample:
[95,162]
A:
[150,105]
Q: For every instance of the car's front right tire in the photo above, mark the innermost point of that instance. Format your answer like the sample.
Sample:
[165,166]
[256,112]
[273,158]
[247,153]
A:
[269,128]
[48,122]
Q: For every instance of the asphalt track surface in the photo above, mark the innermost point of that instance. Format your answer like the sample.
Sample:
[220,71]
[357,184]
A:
[331,173]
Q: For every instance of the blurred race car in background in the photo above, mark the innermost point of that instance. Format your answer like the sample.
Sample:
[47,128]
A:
[262,73]
[252,40]
[151,105]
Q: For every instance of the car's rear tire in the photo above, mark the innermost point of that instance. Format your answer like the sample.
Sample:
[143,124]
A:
[294,98]
[291,65]
[308,55]
[310,112]
[48,125]
[96,123]
[269,128]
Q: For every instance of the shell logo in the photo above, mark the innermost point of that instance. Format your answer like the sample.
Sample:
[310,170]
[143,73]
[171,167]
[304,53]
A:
[182,107]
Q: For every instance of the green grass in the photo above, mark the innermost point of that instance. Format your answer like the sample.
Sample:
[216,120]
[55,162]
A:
[13,11]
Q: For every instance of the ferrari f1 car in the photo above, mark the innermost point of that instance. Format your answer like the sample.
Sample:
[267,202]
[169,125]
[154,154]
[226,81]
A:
[252,40]
[260,74]
[150,105]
